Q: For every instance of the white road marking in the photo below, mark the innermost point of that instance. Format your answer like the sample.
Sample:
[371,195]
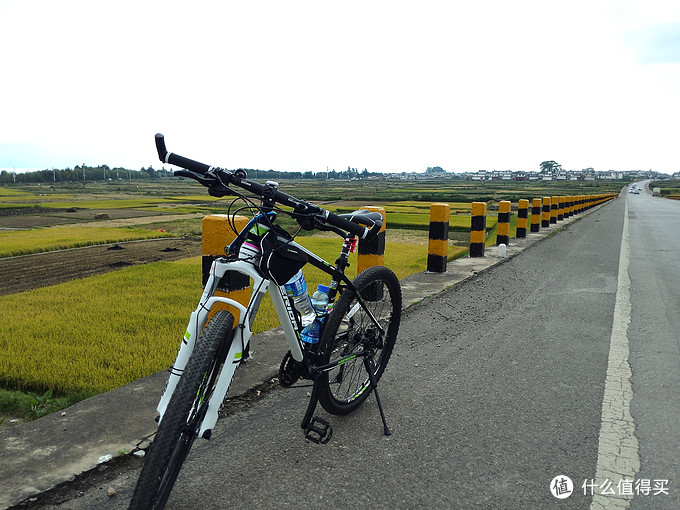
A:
[618,458]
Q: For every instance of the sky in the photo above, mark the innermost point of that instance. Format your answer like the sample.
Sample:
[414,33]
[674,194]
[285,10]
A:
[387,86]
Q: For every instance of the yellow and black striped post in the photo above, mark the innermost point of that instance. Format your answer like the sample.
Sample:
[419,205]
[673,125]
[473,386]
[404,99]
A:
[554,201]
[372,252]
[217,234]
[478,229]
[567,206]
[522,218]
[438,243]
[560,208]
[545,218]
[536,215]
[503,228]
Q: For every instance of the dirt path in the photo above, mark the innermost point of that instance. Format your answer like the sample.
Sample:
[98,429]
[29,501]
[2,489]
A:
[18,274]
[131,222]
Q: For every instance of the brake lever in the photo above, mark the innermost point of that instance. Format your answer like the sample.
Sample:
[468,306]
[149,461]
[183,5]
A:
[195,176]
[217,186]
[320,225]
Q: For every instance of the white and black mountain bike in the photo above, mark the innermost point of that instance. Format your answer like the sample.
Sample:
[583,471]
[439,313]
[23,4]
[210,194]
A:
[358,328]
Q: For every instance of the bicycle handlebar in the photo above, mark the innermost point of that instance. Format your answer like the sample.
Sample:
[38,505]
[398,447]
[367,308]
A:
[208,176]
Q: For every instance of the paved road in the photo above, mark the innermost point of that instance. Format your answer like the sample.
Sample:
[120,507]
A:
[496,388]
[654,335]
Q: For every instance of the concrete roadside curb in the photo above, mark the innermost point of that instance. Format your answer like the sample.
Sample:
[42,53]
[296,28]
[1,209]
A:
[40,455]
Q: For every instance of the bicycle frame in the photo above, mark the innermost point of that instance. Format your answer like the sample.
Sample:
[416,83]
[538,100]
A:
[243,333]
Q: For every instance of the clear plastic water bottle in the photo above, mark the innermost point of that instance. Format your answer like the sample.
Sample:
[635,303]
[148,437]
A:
[312,333]
[320,300]
[296,288]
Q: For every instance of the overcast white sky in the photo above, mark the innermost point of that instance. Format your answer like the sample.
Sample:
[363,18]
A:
[305,85]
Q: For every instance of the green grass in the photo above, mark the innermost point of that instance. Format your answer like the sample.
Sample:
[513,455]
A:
[23,242]
[11,192]
[23,405]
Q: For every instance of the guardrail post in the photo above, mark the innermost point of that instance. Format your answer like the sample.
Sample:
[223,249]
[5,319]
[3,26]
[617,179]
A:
[217,234]
[554,201]
[478,229]
[545,217]
[522,217]
[568,206]
[560,208]
[503,228]
[438,242]
[536,215]
[372,252]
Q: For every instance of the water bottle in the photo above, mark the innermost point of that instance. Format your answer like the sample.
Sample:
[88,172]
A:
[312,333]
[320,300]
[296,288]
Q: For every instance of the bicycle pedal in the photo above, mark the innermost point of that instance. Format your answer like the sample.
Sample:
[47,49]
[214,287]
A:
[318,431]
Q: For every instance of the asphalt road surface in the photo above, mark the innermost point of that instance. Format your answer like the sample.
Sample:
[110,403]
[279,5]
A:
[494,393]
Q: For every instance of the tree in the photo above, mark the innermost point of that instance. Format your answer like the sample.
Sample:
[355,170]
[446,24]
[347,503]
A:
[435,170]
[550,167]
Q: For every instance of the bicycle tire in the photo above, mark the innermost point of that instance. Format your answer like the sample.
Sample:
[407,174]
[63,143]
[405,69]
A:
[348,330]
[181,421]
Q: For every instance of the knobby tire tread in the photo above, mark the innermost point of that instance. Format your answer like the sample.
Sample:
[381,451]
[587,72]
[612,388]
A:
[218,330]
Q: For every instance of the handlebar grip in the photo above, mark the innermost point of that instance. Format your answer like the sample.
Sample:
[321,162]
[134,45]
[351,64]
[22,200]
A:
[176,159]
[160,146]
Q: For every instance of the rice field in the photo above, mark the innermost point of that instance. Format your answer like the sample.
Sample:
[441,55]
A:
[23,242]
[101,332]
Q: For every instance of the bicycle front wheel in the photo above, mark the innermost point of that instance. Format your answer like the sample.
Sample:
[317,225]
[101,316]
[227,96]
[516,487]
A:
[184,414]
[350,330]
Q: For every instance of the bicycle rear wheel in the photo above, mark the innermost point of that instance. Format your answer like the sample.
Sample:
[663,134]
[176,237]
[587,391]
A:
[349,330]
[184,414]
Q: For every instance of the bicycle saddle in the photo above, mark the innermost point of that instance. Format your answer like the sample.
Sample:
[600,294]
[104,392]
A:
[372,220]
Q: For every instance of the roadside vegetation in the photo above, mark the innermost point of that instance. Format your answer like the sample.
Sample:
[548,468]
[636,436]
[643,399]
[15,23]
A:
[668,188]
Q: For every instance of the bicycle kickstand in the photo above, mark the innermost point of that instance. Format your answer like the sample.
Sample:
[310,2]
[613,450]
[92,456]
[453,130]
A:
[368,364]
